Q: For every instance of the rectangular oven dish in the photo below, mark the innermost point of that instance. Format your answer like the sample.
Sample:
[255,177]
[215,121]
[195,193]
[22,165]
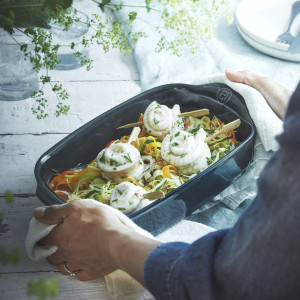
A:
[83,145]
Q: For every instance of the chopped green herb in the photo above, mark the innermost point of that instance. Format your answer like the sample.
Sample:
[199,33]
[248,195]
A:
[177,134]
[128,157]
[114,162]
[184,137]
[182,156]
[208,160]
[171,138]
[117,142]
[114,200]
[54,170]
[175,144]
[102,158]
[130,202]
[120,192]
[155,121]
[98,187]
[121,208]
[140,163]
[157,106]
[195,130]
[161,185]
[90,194]
[169,153]
[178,122]
[125,176]
[148,141]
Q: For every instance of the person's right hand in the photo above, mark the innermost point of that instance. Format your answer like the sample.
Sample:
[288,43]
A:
[276,95]
[93,241]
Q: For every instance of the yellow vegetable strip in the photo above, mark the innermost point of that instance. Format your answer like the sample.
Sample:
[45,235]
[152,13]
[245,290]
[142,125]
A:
[166,171]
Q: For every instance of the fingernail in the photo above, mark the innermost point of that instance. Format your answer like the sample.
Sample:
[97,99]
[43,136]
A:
[39,212]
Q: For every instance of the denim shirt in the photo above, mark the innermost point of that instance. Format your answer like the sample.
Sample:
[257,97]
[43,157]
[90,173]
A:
[258,258]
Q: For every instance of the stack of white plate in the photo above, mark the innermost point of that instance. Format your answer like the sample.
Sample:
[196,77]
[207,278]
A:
[261,21]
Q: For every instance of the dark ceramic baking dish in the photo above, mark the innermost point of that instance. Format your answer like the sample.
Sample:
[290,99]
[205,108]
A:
[82,146]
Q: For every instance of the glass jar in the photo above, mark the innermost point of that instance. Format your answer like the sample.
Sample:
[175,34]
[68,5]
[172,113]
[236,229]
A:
[17,76]
[65,38]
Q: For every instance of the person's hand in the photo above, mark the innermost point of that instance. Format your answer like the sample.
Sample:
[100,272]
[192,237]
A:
[92,241]
[276,95]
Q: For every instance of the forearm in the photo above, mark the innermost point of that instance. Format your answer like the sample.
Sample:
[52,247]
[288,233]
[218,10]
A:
[277,98]
[129,251]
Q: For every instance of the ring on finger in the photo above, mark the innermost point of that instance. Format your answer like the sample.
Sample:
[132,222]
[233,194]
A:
[72,273]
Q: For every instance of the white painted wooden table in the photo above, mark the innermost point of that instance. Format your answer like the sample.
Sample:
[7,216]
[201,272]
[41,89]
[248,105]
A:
[23,139]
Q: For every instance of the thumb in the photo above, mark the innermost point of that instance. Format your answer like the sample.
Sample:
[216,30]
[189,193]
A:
[50,215]
[249,78]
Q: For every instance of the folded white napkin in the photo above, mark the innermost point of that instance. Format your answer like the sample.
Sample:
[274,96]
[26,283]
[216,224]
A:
[120,285]
[36,232]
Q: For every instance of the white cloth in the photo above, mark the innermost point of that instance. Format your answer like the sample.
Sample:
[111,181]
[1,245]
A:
[36,232]
[120,285]
[268,126]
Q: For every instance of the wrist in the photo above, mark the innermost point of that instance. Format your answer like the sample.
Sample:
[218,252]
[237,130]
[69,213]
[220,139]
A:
[129,250]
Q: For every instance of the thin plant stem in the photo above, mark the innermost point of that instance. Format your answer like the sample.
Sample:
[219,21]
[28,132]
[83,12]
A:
[126,5]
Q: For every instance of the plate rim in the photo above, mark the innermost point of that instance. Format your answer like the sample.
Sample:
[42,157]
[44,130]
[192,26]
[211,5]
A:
[285,55]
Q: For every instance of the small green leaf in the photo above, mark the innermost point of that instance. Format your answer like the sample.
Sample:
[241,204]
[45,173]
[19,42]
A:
[120,192]
[43,289]
[103,4]
[12,257]
[128,157]
[148,5]
[9,197]
[132,16]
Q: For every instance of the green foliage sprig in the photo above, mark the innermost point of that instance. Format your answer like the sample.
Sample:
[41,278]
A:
[43,289]
[12,256]
[189,21]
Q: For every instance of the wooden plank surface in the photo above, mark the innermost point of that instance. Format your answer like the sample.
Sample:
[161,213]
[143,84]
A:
[13,231]
[14,286]
[18,155]
[87,101]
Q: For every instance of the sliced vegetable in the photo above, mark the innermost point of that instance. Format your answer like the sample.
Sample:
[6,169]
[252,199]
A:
[59,178]
[166,171]
[107,145]
[86,175]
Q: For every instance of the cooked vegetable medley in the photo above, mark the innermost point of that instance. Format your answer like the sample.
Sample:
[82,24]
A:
[168,151]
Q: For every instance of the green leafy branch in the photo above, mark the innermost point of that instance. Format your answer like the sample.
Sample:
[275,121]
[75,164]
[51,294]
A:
[189,21]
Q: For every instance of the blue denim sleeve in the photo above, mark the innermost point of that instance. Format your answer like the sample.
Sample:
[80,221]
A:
[259,257]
